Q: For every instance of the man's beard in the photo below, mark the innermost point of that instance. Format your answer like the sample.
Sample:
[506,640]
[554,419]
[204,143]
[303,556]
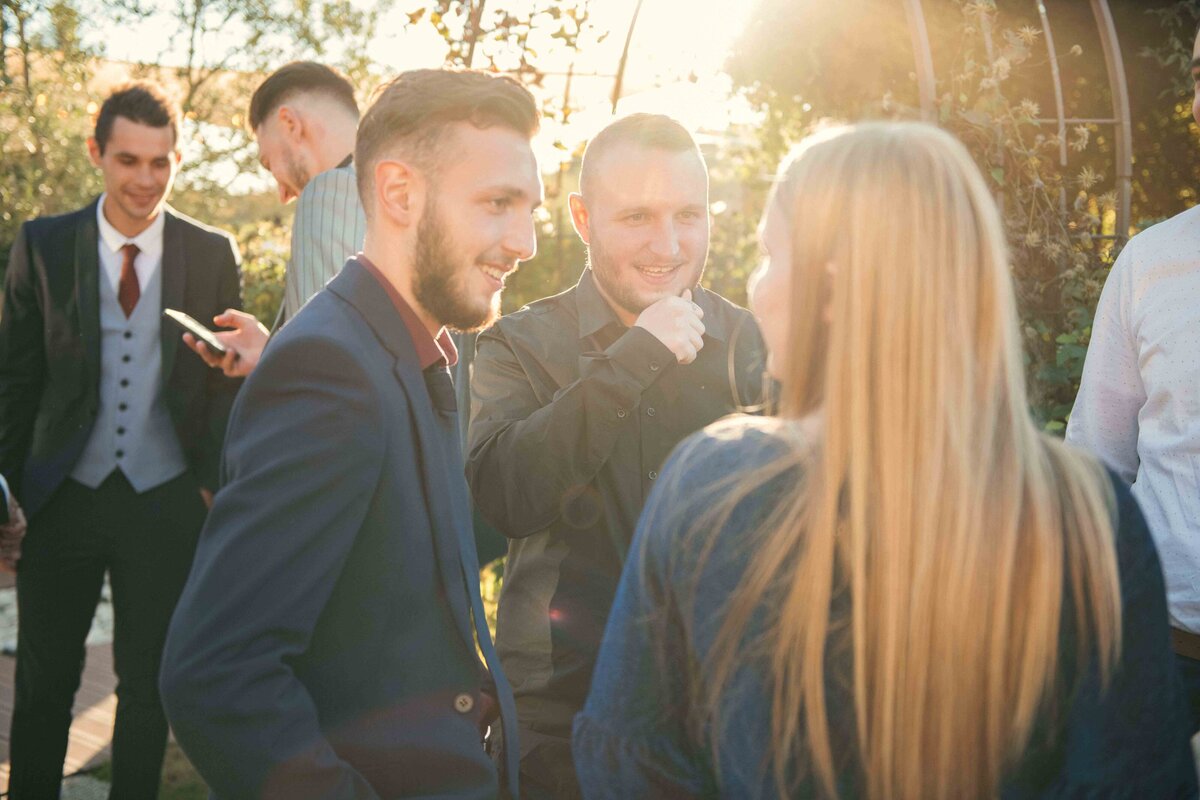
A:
[440,282]
[622,293]
[296,172]
[607,276]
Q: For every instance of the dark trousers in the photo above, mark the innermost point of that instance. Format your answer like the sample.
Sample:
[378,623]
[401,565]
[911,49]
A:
[1189,675]
[145,542]
[547,769]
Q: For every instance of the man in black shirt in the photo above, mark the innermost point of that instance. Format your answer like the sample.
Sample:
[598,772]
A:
[576,402]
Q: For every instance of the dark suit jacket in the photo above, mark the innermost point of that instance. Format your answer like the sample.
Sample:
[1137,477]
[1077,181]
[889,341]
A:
[324,645]
[50,347]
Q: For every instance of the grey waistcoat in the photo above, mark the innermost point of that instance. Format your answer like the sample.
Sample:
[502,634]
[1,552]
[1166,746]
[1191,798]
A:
[133,430]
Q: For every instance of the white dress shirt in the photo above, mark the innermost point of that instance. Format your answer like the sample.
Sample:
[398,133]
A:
[1138,407]
[149,243]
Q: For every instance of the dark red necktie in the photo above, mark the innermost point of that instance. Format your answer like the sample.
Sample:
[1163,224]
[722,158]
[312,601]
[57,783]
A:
[128,291]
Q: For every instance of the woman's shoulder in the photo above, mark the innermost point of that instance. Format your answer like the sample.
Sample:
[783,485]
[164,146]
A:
[737,465]
[733,445]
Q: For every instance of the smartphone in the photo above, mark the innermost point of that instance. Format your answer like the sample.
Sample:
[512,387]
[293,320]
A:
[195,329]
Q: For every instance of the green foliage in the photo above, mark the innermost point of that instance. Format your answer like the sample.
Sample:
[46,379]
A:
[801,60]
[263,266]
[44,122]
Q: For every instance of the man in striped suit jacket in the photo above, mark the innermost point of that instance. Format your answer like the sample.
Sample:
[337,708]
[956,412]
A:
[304,118]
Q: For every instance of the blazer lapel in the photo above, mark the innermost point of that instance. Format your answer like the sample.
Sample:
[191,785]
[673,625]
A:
[439,495]
[174,284]
[87,289]
[355,285]
[448,499]
[446,492]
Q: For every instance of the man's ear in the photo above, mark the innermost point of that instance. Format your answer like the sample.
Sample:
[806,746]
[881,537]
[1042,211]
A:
[579,216]
[399,192]
[291,122]
[93,151]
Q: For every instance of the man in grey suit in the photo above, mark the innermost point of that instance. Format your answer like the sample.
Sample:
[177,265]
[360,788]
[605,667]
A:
[304,118]
[110,435]
[325,645]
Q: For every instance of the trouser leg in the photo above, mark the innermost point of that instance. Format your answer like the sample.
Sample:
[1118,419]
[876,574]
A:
[1189,675]
[152,556]
[58,585]
[547,768]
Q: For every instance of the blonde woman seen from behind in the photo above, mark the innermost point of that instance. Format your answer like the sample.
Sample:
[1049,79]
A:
[896,587]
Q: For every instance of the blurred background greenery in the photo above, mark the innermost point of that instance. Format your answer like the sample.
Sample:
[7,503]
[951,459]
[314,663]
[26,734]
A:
[793,64]
[784,66]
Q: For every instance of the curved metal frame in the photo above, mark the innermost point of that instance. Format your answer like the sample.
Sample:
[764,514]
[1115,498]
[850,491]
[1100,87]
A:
[923,54]
[1120,120]
[1123,137]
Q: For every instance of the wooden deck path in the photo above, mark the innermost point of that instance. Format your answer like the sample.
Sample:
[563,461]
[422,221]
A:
[95,704]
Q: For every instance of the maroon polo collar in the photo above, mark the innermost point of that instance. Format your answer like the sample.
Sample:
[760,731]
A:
[430,351]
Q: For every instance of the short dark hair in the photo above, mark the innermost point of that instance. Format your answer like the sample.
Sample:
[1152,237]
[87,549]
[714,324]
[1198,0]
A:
[299,77]
[145,102]
[413,111]
[650,131]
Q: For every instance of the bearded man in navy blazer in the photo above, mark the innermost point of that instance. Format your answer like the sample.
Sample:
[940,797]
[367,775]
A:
[325,645]
[110,436]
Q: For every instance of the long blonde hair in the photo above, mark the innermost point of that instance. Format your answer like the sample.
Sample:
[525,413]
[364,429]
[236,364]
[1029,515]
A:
[956,526]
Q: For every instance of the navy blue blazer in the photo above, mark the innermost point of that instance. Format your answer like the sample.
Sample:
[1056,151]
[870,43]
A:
[324,645]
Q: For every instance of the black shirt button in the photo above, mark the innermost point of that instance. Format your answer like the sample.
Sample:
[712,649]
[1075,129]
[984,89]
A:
[125,359]
[123,407]
[650,412]
[621,413]
[128,335]
[124,382]
[120,454]
[120,431]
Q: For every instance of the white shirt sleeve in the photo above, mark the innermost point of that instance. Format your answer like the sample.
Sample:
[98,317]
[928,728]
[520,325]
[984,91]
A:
[1111,393]
[328,229]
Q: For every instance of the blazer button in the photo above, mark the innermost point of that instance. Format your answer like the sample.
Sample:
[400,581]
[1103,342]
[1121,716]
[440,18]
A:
[464,703]
[621,413]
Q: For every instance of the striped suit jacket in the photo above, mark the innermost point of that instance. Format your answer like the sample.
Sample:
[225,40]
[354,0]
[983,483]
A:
[328,229]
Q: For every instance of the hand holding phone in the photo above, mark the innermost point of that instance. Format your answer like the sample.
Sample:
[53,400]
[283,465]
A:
[242,344]
[197,330]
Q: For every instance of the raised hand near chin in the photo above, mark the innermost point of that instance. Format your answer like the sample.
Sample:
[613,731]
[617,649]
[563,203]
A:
[676,322]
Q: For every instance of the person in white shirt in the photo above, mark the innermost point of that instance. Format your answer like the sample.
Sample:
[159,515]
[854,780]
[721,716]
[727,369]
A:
[1138,406]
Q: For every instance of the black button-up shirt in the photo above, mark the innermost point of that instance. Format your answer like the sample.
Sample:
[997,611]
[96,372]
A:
[572,416]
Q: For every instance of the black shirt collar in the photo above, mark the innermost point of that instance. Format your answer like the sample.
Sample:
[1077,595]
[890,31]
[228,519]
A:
[595,313]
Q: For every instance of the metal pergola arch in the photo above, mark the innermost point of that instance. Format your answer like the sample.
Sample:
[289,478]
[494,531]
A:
[1120,119]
